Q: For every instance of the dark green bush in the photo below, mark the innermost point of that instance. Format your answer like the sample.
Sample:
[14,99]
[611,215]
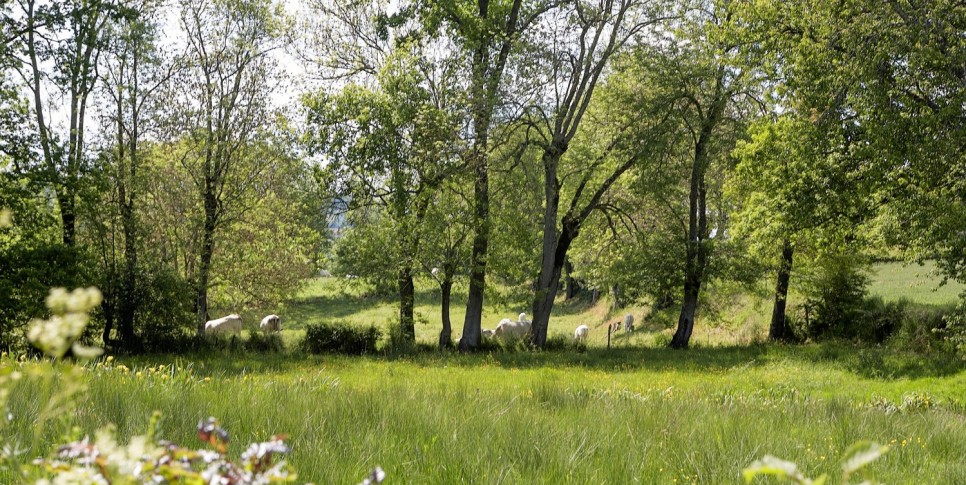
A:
[835,300]
[26,276]
[259,342]
[165,309]
[340,337]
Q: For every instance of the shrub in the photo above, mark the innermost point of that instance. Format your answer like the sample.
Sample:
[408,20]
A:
[340,337]
[953,328]
[165,309]
[919,328]
[559,342]
[26,275]
[258,342]
[835,298]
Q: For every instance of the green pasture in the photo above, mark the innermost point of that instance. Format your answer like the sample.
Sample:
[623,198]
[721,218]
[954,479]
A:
[918,284]
[639,415]
[636,413]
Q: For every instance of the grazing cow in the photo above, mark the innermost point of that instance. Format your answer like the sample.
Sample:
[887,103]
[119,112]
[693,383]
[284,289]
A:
[231,324]
[580,334]
[271,324]
[628,323]
[509,329]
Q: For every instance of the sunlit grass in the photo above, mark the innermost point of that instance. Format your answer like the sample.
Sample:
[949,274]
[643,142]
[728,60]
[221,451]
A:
[919,284]
[647,415]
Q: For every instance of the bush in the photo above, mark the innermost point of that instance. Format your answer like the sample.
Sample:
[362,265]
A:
[340,337]
[26,276]
[835,295]
[259,342]
[165,310]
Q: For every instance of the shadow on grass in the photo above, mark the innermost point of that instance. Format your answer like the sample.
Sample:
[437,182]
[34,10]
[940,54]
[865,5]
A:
[879,363]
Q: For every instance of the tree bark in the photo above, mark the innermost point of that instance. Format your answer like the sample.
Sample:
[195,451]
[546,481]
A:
[549,285]
[204,264]
[572,286]
[697,250]
[778,330]
[446,334]
[407,301]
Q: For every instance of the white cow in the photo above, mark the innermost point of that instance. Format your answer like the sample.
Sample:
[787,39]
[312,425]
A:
[628,323]
[271,324]
[580,334]
[509,329]
[231,324]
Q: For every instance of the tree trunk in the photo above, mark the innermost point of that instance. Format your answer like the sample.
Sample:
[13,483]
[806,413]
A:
[572,285]
[204,264]
[697,251]
[694,268]
[616,292]
[481,240]
[697,236]
[553,258]
[778,331]
[68,217]
[129,300]
[446,335]
[407,300]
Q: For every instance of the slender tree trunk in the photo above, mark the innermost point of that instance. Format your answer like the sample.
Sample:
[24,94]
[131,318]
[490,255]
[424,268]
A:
[572,285]
[407,300]
[68,216]
[697,238]
[204,263]
[694,266]
[697,249]
[616,292]
[446,334]
[481,240]
[778,330]
[129,300]
[549,284]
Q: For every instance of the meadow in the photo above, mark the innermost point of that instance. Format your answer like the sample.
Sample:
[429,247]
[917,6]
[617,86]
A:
[635,413]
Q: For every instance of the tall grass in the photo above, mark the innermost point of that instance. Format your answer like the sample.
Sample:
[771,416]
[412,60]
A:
[631,415]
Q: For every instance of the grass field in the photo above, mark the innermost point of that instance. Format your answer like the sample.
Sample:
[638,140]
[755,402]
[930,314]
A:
[626,416]
[920,284]
[636,413]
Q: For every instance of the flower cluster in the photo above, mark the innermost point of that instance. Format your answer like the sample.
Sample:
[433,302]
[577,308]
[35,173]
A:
[67,322]
[141,461]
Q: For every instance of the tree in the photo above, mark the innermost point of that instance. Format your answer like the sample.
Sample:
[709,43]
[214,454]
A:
[225,112]
[711,88]
[71,36]
[133,77]
[590,35]
[392,147]
[444,253]
[486,34]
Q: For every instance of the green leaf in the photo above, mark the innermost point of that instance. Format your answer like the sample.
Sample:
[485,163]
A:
[861,454]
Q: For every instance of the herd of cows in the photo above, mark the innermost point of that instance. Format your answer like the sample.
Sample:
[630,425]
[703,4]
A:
[506,329]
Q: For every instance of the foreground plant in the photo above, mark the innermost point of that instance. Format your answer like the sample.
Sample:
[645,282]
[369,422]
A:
[142,460]
[856,458]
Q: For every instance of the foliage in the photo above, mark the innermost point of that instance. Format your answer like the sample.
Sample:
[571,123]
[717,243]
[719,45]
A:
[855,460]
[26,274]
[258,342]
[834,298]
[143,461]
[340,337]
[953,329]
